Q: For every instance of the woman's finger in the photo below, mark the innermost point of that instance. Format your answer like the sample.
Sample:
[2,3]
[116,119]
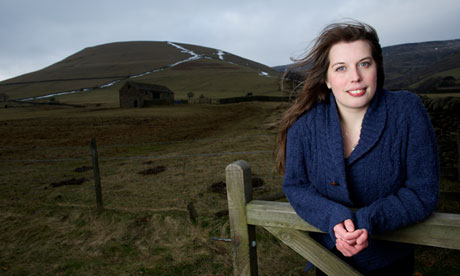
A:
[349,225]
[341,246]
[363,238]
[352,236]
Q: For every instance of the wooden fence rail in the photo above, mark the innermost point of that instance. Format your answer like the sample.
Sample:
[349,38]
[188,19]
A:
[278,218]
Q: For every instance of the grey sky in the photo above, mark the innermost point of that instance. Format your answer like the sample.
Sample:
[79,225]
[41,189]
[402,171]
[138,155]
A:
[35,34]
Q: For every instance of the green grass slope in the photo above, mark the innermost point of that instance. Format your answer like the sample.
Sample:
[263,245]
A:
[453,73]
[215,79]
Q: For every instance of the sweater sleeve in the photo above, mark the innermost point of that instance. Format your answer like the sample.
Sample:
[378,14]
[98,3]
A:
[308,203]
[417,198]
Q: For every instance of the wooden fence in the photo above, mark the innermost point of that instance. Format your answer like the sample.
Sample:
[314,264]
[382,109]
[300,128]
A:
[439,230]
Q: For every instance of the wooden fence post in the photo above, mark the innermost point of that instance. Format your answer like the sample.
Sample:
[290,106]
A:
[97,178]
[239,192]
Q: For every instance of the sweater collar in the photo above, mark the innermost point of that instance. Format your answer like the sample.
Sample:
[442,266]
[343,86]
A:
[372,127]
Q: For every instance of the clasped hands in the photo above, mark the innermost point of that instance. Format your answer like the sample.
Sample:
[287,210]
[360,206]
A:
[350,241]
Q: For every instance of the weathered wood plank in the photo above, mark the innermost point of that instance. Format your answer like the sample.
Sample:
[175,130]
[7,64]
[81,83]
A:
[311,250]
[439,230]
[239,192]
[276,214]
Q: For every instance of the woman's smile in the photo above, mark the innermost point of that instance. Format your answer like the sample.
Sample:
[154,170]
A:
[357,92]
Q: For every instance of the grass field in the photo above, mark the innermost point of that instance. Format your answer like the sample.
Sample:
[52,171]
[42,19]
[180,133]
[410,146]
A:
[453,73]
[154,162]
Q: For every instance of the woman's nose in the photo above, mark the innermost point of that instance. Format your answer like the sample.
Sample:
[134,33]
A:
[355,75]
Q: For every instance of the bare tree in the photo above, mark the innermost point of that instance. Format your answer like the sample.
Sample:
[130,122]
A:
[292,82]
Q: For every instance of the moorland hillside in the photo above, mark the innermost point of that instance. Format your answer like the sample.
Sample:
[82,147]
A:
[182,67]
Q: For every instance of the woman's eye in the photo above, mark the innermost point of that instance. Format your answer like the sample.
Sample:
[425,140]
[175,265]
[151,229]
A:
[364,64]
[340,68]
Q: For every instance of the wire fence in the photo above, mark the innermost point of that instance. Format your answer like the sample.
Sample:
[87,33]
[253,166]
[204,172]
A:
[142,182]
[130,181]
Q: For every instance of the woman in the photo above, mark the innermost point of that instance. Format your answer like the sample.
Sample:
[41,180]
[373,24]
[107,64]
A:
[348,143]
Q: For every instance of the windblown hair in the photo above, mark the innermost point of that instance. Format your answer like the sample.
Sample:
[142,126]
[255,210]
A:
[314,87]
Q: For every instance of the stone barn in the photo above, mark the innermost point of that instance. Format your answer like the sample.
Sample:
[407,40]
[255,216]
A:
[135,94]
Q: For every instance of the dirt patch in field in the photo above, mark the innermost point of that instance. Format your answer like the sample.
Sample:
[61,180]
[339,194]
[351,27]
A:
[257,182]
[218,187]
[83,169]
[221,187]
[156,170]
[72,181]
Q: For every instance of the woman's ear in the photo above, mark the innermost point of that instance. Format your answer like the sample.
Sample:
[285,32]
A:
[327,84]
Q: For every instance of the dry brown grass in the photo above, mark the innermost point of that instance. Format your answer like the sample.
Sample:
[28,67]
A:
[145,228]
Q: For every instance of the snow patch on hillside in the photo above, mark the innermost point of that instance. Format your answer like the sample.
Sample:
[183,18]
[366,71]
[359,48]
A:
[220,54]
[108,84]
[264,74]
[194,56]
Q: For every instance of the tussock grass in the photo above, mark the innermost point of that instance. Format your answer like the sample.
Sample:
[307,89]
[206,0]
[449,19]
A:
[145,227]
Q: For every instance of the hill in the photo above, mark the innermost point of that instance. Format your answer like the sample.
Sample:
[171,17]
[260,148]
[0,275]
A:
[181,67]
[407,65]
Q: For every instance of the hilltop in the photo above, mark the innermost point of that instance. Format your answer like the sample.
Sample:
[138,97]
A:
[182,67]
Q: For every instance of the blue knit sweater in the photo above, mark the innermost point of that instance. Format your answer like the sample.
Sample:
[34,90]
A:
[391,178]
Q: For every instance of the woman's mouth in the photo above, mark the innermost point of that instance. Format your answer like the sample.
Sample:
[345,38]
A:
[357,92]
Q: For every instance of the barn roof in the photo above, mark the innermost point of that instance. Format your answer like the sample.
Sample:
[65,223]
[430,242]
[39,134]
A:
[148,86]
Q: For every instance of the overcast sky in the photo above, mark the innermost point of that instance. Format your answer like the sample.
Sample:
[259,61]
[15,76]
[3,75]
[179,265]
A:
[38,33]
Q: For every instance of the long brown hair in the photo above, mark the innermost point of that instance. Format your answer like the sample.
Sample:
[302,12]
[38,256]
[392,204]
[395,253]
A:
[314,88]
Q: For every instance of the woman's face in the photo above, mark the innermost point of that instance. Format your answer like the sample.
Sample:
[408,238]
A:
[352,75]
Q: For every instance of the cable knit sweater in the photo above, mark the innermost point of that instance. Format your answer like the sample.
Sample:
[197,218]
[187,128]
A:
[391,178]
